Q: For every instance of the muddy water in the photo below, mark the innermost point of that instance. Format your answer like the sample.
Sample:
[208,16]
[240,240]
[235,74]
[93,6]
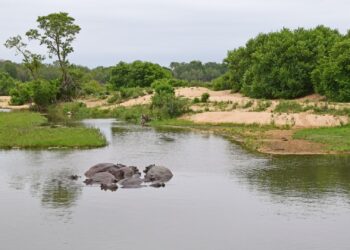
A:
[221,197]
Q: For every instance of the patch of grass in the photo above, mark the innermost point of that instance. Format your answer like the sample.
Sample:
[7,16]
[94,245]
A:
[289,107]
[335,138]
[248,104]
[131,114]
[262,106]
[30,130]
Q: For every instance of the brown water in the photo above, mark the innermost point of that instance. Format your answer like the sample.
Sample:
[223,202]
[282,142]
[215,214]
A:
[221,197]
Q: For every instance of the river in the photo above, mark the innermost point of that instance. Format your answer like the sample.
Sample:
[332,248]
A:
[221,197]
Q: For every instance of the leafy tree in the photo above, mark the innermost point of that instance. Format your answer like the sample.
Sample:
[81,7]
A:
[197,71]
[279,64]
[57,32]
[6,83]
[137,74]
[334,73]
[30,60]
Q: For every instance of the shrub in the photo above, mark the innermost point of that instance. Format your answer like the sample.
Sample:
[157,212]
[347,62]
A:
[93,88]
[137,74]
[6,83]
[332,77]
[205,97]
[172,82]
[44,93]
[22,93]
[135,92]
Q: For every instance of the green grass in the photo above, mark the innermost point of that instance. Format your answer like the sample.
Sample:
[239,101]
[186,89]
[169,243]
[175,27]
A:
[288,107]
[336,138]
[30,130]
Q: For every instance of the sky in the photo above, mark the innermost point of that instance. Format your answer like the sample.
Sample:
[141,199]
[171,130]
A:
[163,31]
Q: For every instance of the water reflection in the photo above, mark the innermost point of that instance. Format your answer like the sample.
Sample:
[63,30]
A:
[311,178]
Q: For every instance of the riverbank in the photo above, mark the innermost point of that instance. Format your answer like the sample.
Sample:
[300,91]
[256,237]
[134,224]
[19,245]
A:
[30,130]
[274,140]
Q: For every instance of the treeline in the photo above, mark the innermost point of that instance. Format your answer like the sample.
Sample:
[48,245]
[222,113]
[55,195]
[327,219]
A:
[290,64]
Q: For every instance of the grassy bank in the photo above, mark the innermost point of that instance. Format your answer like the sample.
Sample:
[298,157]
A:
[30,130]
[336,138]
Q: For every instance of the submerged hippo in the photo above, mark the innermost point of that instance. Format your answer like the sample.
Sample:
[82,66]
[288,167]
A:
[123,172]
[102,178]
[132,182]
[159,174]
[101,167]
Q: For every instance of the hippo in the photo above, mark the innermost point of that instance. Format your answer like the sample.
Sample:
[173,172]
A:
[101,177]
[101,167]
[157,184]
[111,186]
[132,182]
[123,172]
[155,173]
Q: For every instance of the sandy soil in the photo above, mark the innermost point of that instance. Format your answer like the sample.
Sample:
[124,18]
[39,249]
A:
[299,120]
[4,103]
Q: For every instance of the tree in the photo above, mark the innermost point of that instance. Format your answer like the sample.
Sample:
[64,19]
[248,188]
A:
[6,83]
[57,32]
[30,60]
[137,74]
[334,73]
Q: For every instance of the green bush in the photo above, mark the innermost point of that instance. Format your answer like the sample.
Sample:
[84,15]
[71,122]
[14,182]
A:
[137,74]
[22,93]
[279,64]
[44,93]
[205,97]
[172,82]
[332,77]
[6,83]
[93,88]
[134,92]
[165,104]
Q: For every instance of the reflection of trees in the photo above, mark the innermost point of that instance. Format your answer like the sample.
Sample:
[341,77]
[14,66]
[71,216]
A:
[60,192]
[308,177]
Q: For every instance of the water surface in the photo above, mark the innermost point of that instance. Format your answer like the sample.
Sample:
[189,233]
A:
[221,197]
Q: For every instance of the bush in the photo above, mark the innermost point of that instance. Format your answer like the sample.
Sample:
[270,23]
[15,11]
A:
[205,97]
[22,93]
[6,83]
[332,77]
[165,104]
[44,93]
[223,83]
[135,92]
[279,64]
[172,82]
[93,88]
[137,74]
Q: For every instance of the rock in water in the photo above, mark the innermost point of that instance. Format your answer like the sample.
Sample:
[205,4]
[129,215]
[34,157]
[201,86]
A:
[157,173]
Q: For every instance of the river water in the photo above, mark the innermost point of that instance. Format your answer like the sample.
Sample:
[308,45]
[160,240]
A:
[221,197]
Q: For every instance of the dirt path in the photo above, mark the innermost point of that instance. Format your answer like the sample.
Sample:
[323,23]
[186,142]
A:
[4,104]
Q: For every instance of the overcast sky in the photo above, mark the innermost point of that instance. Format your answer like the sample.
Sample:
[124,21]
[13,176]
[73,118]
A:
[163,31]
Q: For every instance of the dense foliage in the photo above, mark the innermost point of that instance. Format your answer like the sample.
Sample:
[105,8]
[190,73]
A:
[279,64]
[197,71]
[137,74]
[6,83]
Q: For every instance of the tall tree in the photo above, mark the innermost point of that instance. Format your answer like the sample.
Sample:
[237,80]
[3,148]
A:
[31,60]
[57,31]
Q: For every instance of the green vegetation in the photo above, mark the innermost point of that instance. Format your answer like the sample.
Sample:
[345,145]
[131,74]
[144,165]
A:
[289,107]
[336,138]
[262,106]
[6,83]
[289,64]
[205,97]
[137,74]
[28,130]
[197,71]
